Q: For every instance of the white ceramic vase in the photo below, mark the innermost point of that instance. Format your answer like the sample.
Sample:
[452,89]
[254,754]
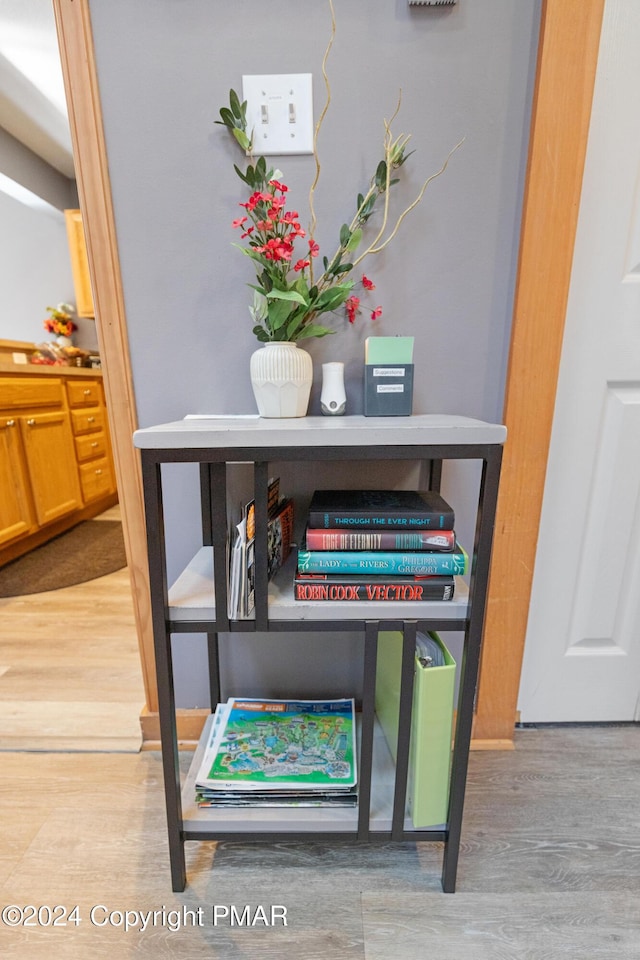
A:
[333,399]
[64,341]
[281,376]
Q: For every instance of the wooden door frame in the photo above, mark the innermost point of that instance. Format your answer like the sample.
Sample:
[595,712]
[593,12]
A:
[567,58]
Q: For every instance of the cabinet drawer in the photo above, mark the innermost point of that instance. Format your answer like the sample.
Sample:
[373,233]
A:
[96,479]
[16,392]
[84,393]
[87,421]
[90,446]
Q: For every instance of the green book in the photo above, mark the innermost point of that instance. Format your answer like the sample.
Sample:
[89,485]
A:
[431,726]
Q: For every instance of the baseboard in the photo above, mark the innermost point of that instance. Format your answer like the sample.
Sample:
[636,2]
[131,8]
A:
[189,725]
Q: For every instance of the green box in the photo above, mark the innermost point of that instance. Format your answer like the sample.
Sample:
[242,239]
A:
[431,726]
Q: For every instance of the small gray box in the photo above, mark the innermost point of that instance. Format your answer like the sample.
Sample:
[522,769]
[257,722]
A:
[388,389]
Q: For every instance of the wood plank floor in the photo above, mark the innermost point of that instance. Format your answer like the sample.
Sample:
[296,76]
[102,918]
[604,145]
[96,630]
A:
[70,675]
[550,866]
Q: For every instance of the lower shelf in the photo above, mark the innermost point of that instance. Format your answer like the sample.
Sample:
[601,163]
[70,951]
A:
[295,820]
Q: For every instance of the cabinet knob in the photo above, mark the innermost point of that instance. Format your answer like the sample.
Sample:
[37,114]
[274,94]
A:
[31,423]
[91,419]
[98,472]
[87,393]
[10,423]
[95,443]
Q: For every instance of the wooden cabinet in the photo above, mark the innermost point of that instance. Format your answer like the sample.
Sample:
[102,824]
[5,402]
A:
[79,263]
[56,466]
[92,447]
[16,510]
[50,458]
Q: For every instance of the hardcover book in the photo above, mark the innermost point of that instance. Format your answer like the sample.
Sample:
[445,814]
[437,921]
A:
[327,587]
[379,510]
[419,563]
[439,540]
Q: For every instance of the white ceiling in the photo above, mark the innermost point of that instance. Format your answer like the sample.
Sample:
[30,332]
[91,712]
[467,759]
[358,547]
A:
[32,101]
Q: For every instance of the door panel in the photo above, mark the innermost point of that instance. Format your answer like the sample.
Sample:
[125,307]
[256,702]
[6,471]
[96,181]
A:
[582,653]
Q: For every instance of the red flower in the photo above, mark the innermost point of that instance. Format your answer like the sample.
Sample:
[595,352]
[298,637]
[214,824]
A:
[376,313]
[238,222]
[247,233]
[282,187]
[278,248]
[314,248]
[301,264]
[255,199]
[352,305]
[367,284]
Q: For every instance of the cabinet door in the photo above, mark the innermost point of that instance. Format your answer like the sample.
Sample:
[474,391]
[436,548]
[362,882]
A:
[50,453]
[16,514]
[79,263]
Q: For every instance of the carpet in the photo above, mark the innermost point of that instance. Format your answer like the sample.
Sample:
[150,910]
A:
[92,549]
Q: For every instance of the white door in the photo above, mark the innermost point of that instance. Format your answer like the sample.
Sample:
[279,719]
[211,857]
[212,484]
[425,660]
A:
[582,653]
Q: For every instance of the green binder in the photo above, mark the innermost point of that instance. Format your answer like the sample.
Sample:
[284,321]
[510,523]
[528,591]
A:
[431,726]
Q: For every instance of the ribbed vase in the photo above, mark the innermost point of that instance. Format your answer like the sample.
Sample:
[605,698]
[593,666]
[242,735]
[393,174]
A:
[281,376]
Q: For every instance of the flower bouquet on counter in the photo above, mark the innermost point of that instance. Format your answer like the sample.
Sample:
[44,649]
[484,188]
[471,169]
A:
[59,321]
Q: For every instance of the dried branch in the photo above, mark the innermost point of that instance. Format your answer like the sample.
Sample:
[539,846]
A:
[313,223]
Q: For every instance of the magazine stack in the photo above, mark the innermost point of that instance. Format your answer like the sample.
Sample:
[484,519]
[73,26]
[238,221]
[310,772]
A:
[280,753]
[379,545]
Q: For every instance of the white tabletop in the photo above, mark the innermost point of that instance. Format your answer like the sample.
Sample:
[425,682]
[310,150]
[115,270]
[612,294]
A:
[249,431]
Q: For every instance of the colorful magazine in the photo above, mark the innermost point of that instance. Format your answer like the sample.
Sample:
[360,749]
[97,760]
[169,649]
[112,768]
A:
[263,745]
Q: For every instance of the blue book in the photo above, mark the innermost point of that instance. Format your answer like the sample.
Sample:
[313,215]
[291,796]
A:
[395,563]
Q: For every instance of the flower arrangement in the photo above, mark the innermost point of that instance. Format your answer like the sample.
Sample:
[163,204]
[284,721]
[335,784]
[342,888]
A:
[59,321]
[289,296]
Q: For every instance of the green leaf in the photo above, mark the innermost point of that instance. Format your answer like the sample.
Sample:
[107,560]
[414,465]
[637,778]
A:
[330,299]
[345,235]
[354,240]
[381,175]
[243,176]
[287,295]
[227,117]
[261,334]
[325,263]
[360,200]
[343,268]
[313,330]
[404,159]
[242,138]
[279,311]
[261,167]
[234,101]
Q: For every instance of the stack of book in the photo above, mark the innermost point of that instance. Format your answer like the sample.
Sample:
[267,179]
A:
[379,545]
[279,753]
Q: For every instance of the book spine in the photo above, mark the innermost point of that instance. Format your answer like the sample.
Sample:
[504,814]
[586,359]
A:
[358,520]
[372,562]
[442,540]
[377,590]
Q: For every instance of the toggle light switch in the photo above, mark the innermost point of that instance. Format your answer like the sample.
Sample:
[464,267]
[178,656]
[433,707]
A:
[279,112]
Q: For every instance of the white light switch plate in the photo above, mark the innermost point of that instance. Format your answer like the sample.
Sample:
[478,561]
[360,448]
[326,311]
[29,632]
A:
[279,112]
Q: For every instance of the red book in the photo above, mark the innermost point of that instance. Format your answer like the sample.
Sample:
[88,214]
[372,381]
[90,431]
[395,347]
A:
[441,540]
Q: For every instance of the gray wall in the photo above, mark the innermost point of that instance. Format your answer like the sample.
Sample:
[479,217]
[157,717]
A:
[165,69]
[35,266]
